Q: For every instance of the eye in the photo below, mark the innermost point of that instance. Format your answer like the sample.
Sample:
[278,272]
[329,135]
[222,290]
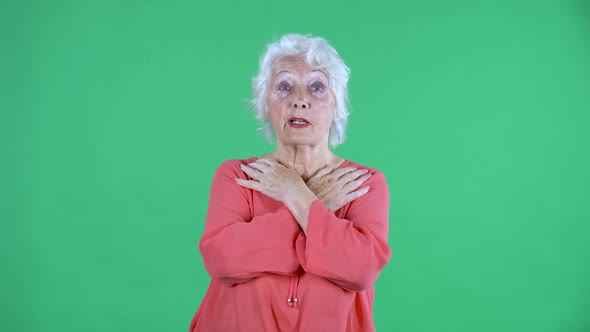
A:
[284,86]
[317,87]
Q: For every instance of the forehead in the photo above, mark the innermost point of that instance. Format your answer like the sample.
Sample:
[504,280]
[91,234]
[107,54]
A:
[296,66]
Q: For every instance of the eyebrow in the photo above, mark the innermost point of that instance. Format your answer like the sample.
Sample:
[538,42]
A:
[286,71]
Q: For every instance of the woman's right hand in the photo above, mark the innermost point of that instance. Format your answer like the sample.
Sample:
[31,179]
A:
[274,180]
[336,188]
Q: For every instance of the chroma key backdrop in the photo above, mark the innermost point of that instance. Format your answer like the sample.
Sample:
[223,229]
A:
[115,114]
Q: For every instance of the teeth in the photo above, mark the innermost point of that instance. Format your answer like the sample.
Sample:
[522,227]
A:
[299,122]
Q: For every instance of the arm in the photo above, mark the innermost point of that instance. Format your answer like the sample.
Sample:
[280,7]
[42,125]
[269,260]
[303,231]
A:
[350,252]
[236,247]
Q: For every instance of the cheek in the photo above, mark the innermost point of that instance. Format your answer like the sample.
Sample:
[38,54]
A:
[273,108]
[327,109]
[275,113]
[275,103]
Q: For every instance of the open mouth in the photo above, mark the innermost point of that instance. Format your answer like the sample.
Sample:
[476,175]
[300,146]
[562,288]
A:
[298,121]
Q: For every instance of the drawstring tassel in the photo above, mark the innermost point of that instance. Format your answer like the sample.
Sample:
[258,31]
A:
[292,296]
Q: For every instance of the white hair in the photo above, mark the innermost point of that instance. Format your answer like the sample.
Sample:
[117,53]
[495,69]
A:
[317,54]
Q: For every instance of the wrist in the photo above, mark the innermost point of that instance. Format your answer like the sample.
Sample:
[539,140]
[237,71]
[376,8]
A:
[302,200]
[299,205]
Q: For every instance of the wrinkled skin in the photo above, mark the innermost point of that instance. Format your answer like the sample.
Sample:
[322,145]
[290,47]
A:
[302,169]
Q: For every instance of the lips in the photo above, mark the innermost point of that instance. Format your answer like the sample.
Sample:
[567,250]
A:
[298,122]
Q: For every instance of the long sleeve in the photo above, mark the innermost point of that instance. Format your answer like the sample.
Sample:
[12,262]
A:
[349,251]
[237,247]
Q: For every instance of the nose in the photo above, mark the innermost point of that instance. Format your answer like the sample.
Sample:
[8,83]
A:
[300,100]
[301,104]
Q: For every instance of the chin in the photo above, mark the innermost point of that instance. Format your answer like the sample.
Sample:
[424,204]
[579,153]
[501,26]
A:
[299,141]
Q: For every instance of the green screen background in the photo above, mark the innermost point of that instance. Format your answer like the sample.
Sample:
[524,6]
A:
[115,115]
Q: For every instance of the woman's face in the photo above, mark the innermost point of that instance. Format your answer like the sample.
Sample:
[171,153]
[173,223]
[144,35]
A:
[300,103]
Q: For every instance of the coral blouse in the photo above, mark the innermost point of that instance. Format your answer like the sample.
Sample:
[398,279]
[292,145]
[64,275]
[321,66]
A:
[267,275]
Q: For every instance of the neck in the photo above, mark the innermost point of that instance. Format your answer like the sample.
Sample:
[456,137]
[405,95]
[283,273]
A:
[305,160]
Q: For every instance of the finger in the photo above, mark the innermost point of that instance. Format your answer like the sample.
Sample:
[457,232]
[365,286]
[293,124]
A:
[323,171]
[352,175]
[255,174]
[271,162]
[341,171]
[356,194]
[254,185]
[352,185]
[260,166]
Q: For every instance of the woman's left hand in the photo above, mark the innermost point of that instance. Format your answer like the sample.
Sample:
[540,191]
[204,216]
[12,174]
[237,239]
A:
[274,180]
[336,188]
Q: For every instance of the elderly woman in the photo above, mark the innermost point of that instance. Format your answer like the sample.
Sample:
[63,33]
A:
[294,240]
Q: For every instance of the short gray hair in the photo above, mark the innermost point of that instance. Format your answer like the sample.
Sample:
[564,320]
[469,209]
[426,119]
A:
[317,53]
